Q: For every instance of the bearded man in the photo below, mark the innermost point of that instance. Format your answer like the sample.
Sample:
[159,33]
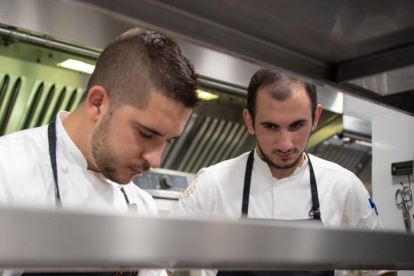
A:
[278,180]
[138,99]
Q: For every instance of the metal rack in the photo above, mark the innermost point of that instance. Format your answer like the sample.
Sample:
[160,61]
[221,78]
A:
[51,240]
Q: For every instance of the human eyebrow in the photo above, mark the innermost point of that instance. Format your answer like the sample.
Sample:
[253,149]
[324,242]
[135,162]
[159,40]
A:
[267,124]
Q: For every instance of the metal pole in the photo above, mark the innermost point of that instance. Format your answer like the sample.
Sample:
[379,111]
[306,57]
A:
[13,36]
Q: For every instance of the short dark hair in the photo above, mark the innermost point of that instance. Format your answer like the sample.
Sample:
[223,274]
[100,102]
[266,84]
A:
[280,88]
[139,61]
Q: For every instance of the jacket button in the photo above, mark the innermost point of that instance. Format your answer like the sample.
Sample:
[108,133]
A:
[65,168]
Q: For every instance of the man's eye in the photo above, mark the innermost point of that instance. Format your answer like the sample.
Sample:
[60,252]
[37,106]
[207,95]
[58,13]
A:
[146,136]
[298,125]
[270,126]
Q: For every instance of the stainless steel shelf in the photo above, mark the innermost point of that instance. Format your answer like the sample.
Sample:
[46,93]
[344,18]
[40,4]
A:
[34,240]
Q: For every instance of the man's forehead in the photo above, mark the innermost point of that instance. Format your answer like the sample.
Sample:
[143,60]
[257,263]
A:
[284,91]
[297,95]
[283,111]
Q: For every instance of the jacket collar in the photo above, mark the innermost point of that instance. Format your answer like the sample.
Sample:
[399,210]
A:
[65,146]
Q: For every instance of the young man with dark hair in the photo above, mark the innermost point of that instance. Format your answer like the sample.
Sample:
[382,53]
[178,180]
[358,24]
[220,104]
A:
[279,180]
[139,98]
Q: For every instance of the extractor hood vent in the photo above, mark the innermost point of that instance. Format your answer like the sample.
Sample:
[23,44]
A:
[26,103]
[207,141]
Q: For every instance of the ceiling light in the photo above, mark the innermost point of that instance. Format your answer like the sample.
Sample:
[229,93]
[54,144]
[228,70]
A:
[77,66]
[206,96]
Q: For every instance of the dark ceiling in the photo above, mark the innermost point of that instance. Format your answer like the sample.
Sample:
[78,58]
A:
[338,43]
[329,31]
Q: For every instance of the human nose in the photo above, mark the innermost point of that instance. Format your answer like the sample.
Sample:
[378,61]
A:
[285,141]
[153,155]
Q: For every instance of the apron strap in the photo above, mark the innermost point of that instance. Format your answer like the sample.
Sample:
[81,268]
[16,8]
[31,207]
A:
[51,134]
[131,206]
[314,213]
[247,181]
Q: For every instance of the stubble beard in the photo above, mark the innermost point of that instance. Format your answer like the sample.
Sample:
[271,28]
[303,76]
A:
[103,154]
[269,161]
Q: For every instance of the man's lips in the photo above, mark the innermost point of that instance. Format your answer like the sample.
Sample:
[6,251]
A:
[284,155]
[136,171]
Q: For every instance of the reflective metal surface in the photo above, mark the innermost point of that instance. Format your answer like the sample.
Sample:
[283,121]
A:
[11,36]
[331,99]
[327,31]
[386,83]
[63,20]
[357,126]
[330,42]
[60,240]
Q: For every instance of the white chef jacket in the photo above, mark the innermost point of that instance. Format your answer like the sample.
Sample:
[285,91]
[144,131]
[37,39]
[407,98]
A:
[217,192]
[26,178]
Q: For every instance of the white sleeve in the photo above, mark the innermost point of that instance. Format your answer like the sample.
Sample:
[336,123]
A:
[152,272]
[208,272]
[198,200]
[360,209]
[375,272]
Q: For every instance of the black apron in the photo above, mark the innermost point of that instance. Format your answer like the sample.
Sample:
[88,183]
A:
[51,133]
[314,213]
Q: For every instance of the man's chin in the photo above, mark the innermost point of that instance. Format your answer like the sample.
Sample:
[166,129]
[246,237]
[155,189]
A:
[285,164]
[123,180]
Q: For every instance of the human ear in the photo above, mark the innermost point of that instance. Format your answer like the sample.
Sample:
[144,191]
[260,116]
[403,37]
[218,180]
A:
[97,102]
[249,121]
[317,116]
